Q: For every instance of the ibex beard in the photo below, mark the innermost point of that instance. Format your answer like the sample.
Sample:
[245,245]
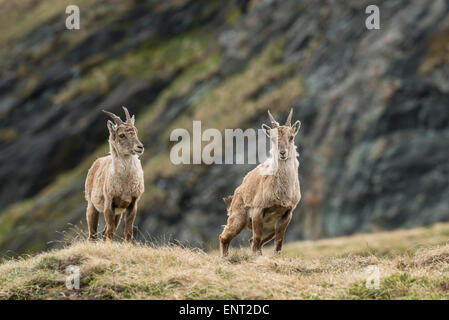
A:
[115,182]
[265,200]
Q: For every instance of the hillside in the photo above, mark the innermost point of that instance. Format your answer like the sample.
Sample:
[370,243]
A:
[374,107]
[413,264]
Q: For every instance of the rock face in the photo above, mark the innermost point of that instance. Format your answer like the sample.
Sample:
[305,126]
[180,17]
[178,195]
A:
[374,107]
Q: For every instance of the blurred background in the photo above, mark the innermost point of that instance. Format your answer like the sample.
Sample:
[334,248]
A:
[374,107]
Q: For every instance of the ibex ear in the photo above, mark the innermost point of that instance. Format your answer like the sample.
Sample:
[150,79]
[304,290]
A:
[266,129]
[296,126]
[228,201]
[112,127]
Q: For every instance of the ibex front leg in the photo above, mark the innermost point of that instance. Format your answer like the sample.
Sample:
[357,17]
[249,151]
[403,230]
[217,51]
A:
[92,221]
[281,226]
[257,217]
[109,218]
[130,216]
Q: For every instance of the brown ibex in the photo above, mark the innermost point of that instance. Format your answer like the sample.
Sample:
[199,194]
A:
[115,183]
[265,200]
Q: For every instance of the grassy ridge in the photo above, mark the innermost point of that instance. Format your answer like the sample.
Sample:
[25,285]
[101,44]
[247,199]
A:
[413,264]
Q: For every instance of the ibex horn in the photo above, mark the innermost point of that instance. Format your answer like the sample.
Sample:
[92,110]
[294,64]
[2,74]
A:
[116,119]
[128,117]
[289,118]
[274,123]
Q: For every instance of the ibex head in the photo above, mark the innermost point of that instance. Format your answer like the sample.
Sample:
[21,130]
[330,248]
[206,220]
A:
[123,134]
[284,135]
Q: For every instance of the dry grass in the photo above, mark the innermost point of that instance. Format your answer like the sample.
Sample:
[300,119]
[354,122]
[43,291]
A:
[325,269]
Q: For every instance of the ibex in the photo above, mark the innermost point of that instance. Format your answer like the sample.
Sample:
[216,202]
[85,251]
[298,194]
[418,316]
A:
[115,183]
[265,200]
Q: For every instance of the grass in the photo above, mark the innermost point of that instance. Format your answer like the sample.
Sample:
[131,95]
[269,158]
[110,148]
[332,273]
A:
[413,264]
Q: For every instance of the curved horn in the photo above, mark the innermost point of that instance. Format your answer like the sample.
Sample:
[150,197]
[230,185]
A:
[274,123]
[289,118]
[128,117]
[116,119]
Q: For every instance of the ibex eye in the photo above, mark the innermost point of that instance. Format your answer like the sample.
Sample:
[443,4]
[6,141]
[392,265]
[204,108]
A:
[122,136]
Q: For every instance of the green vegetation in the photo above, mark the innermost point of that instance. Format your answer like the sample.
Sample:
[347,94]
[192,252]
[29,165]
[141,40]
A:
[402,286]
[153,59]
[8,134]
[437,52]
[18,18]
[247,90]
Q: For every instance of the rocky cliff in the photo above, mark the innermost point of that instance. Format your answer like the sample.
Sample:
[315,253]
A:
[374,107]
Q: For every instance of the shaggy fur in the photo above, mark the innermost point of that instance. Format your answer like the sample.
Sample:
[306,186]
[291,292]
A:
[265,200]
[115,183]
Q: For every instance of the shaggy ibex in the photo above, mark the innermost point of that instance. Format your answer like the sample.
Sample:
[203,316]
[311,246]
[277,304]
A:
[114,183]
[265,200]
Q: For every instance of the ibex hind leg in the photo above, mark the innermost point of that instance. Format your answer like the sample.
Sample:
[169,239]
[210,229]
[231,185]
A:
[92,221]
[236,223]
